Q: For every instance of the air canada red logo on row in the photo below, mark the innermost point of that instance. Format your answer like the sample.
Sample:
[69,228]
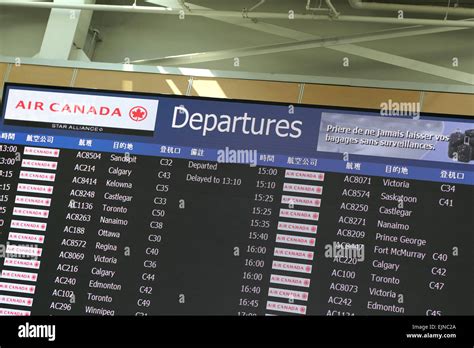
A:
[137,113]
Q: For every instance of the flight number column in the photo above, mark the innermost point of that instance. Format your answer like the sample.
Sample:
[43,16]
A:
[73,225]
[346,251]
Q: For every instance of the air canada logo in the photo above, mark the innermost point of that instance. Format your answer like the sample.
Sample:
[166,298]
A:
[138,113]
[80,111]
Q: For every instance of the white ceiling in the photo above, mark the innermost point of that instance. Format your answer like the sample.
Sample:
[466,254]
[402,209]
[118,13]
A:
[422,58]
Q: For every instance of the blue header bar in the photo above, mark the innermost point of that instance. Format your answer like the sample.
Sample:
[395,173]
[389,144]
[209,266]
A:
[356,167]
[311,138]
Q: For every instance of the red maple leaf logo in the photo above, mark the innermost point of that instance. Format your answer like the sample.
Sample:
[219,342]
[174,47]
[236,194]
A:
[138,113]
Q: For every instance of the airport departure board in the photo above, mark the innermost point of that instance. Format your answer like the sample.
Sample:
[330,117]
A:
[115,203]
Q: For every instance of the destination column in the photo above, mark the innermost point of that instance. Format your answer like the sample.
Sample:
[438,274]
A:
[113,240]
[421,239]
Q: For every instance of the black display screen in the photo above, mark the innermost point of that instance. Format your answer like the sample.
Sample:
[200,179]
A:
[230,208]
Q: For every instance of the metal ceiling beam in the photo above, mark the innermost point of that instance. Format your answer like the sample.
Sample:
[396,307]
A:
[260,26]
[292,78]
[201,57]
[261,2]
[400,21]
[237,14]
[169,3]
[442,10]
[70,24]
[301,36]
[276,30]
[407,63]
[347,48]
